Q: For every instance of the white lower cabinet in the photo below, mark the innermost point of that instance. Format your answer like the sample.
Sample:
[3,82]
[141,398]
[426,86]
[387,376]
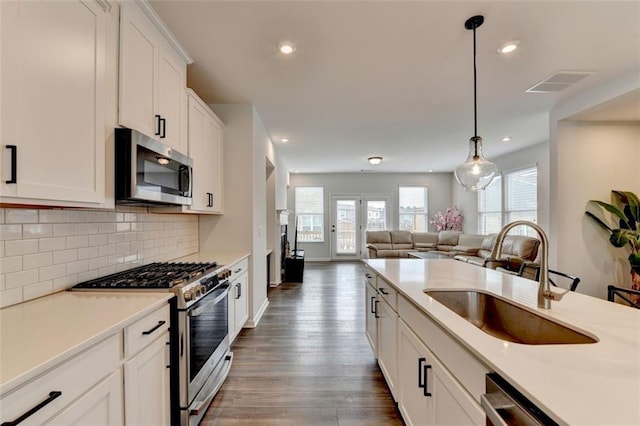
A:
[371,320]
[146,385]
[238,297]
[388,344]
[101,406]
[427,393]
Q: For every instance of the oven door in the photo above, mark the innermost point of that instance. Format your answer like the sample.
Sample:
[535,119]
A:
[206,339]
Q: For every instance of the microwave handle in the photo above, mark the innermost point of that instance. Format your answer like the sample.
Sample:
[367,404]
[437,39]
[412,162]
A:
[190,177]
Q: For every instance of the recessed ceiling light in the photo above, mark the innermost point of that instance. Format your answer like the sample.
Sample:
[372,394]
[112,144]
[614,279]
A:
[286,47]
[506,139]
[284,140]
[430,170]
[509,46]
[374,160]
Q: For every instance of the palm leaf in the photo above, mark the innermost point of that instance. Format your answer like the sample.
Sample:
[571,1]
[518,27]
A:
[599,221]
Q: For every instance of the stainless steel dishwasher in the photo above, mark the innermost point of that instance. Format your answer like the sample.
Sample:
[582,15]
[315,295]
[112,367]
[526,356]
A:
[504,405]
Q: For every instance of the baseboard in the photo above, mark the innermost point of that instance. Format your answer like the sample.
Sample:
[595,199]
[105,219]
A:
[318,259]
[253,323]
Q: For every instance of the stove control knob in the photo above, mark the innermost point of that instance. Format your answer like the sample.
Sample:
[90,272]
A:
[188,295]
[201,290]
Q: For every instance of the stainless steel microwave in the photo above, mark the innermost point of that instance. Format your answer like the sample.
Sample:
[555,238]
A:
[149,172]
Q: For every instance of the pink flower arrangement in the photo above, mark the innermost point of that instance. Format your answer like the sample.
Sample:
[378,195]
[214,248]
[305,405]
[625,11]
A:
[451,220]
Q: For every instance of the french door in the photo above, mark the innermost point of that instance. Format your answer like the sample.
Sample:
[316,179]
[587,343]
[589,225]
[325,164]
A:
[351,217]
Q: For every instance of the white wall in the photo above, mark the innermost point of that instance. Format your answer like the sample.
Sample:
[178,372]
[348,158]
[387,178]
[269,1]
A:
[593,159]
[382,184]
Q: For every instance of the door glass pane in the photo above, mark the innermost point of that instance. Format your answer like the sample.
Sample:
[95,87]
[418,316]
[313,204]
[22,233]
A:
[376,215]
[346,226]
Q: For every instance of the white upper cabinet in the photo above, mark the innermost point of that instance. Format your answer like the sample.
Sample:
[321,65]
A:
[153,77]
[53,72]
[205,148]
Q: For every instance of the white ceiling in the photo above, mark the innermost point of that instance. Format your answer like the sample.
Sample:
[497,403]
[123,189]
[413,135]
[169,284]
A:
[395,78]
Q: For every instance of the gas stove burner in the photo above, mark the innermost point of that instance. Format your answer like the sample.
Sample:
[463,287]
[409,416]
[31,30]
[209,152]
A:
[152,276]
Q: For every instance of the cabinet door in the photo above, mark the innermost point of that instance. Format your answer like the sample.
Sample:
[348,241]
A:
[146,385]
[241,297]
[388,344]
[232,316]
[413,357]
[197,151]
[100,406]
[138,81]
[172,82]
[371,317]
[53,65]
[213,131]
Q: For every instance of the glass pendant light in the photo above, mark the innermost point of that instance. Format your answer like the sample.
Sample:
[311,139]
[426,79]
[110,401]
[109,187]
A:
[476,173]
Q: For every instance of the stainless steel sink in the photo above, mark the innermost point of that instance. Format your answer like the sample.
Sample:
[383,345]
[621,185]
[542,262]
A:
[507,321]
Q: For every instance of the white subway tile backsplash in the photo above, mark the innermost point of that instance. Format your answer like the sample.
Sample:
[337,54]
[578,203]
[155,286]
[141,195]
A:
[11,264]
[21,216]
[20,279]
[65,256]
[37,230]
[51,244]
[78,241]
[18,247]
[64,229]
[48,250]
[52,272]
[53,216]
[10,232]
[37,290]
[39,260]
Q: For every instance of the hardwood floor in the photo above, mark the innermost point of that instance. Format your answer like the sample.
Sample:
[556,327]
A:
[308,361]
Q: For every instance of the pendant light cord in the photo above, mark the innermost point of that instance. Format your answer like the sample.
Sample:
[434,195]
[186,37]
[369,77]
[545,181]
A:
[475,95]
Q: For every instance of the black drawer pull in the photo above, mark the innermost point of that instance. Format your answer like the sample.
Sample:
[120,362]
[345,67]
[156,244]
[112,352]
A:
[52,395]
[372,299]
[160,324]
[383,291]
[158,124]
[14,163]
[375,313]
[426,383]
[368,276]
[420,376]
[163,123]
[239,292]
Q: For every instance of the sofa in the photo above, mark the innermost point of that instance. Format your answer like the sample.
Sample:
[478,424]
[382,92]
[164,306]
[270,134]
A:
[520,254]
[401,243]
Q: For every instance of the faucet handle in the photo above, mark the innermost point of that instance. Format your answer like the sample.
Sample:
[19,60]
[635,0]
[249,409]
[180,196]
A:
[555,296]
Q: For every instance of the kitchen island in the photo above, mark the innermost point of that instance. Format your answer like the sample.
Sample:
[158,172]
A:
[596,383]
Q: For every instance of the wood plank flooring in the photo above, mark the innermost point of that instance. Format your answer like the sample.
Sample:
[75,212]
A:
[308,361]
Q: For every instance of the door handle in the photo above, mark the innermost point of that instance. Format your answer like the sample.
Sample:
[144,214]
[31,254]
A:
[158,118]
[14,163]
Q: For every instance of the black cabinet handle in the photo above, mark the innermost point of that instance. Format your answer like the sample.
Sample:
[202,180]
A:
[14,163]
[375,310]
[420,376]
[368,276]
[372,299]
[157,326]
[383,291]
[158,118]
[163,124]
[209,199]
[239,292]
[237,270]
[52,395]
[426,382]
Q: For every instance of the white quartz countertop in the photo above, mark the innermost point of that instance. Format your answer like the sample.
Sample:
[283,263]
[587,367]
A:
[221,257]
[38,334]
[578,384]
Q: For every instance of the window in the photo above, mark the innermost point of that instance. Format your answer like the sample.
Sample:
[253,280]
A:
[509,198]
[376,215]
[309,205]
[413,211]
[490,208]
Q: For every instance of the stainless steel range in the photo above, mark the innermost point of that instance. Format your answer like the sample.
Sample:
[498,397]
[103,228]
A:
[199,328]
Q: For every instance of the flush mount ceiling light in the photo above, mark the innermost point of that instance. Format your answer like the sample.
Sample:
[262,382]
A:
[374,160]
[476,173]
[284,140]
[162,160]
[509,46]
[506,139]
[286,47]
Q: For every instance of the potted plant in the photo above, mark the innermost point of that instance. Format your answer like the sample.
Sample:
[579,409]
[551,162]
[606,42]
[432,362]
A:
[627,230]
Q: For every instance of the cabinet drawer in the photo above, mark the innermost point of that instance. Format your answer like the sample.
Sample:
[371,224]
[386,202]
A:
[72,378]
[464,367]
[370,278]
[239,268]
[145,330]
[388,293]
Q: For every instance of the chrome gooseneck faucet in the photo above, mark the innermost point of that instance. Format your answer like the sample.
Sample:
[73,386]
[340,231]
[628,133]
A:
[545,295]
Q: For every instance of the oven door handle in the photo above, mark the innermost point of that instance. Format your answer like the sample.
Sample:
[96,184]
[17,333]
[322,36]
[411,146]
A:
[197,311]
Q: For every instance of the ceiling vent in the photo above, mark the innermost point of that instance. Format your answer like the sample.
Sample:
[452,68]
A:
[559,81]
